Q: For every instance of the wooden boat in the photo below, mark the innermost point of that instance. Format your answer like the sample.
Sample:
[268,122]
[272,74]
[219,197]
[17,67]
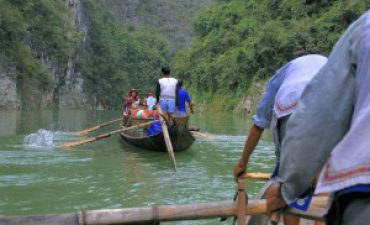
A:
[260,219]
[180,136]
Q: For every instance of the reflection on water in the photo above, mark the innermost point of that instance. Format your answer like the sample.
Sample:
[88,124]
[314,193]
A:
[36,177]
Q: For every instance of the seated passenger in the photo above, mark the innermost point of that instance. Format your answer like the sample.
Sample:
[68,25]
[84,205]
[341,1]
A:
[130,101]
[150,101]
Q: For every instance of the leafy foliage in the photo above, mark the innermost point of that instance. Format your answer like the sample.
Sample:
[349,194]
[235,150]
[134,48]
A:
[31,29]
[237,42]
[117,59]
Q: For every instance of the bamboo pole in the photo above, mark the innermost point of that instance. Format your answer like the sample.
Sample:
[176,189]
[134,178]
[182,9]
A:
[155,213]
[166,136]
[261,176]
[103,136]
[87,130]
[242,204]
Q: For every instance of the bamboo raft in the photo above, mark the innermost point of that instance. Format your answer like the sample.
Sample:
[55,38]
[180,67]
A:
[152,214]
[255,211]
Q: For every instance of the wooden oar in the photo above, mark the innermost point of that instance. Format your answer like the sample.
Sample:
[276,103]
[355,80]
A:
[102,136]
[87,130]
[260,176]
[204,135]
[166,136]
[155,213]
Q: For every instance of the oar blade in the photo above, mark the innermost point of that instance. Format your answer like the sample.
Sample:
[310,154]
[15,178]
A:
[166,137]
[203,135]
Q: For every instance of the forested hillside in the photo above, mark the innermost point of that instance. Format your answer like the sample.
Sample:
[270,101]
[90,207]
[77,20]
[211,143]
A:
[238,43]
[117,59]
[89,53]
[173,18]
[33,35]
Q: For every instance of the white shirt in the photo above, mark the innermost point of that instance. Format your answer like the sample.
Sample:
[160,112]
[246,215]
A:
[168,88]
[299,72]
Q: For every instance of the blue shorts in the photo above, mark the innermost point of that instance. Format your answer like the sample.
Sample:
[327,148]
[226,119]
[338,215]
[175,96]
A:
[275,172]
[168,105]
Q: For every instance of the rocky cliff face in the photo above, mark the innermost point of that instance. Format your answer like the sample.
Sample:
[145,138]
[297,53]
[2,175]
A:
[67,81]
[9,99]
[69,91]
[64,85]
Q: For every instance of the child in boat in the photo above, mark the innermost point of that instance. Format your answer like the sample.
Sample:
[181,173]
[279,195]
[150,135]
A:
[150,101]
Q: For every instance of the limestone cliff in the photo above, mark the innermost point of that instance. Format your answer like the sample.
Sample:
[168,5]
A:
[52,55]
[8,86]
[62,85]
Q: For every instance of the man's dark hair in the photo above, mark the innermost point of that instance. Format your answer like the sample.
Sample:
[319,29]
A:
[166,70]
[179,82]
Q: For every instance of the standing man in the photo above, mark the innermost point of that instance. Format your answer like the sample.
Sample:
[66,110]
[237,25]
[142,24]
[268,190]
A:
[277,104]
[183,98]
[332,126]
[166,93]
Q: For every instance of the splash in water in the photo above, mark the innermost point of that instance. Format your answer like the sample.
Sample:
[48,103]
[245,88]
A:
[45,138]
[42,138]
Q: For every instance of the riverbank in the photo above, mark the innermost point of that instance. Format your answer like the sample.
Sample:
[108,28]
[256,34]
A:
[242,105]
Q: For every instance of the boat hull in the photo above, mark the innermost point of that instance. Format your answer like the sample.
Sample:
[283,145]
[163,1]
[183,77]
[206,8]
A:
[180,136]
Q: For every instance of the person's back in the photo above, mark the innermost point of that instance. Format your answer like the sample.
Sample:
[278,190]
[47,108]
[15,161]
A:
[330,127]
[285,88]
[277,104]
[183,98]
[298,73]
[166,93]
[167,88]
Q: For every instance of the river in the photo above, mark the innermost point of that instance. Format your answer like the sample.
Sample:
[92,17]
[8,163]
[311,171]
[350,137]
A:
[37,177]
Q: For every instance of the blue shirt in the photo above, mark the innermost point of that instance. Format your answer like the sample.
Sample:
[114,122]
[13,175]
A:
[183,97]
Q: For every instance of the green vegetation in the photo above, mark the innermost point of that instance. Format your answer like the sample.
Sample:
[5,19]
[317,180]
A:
[239,42]
[117,59]
[30,30]
[38,38]
[235,44]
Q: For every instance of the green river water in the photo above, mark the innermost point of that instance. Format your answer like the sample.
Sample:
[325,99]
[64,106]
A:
[36,177]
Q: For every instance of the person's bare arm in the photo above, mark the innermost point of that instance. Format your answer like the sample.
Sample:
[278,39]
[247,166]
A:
[191,107]
[250,144]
